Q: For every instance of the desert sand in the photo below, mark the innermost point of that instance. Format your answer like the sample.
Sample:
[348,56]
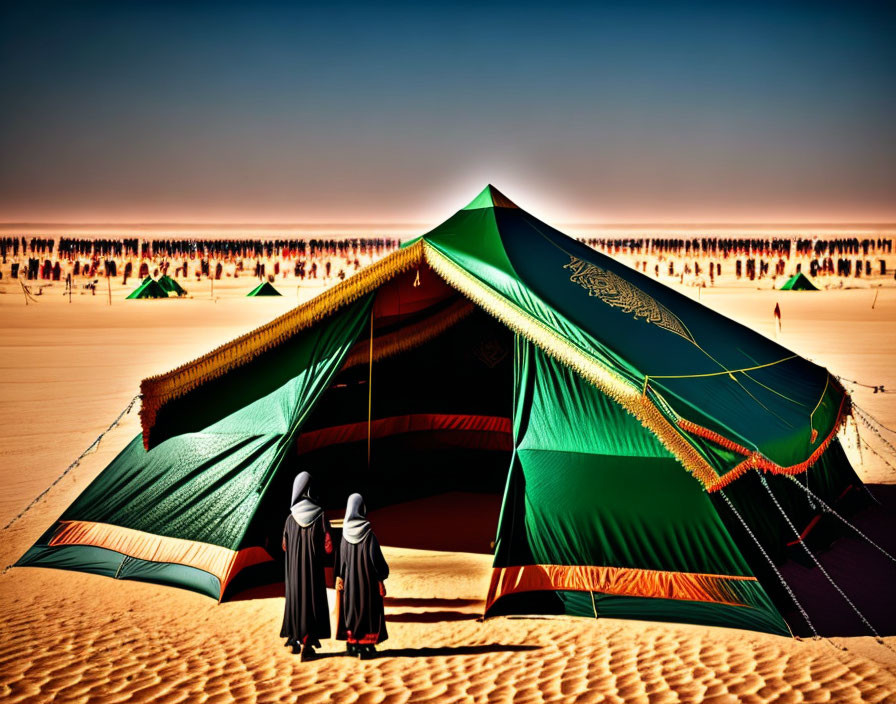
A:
[69,369]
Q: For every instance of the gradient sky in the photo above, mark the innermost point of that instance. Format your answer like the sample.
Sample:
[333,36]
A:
[624,112]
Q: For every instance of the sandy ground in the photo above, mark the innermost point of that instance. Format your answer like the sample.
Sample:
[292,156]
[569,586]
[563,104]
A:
[67,371]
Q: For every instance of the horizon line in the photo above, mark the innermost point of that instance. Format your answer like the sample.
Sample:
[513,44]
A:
[665,224]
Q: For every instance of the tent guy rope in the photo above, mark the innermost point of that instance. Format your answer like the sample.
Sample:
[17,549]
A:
[825,507]
[774,567]
[818,563]
[74,464]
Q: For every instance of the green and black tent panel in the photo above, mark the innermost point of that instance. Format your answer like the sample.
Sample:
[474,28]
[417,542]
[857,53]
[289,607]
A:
[170,286]
[148,289]
[625,430]
[264,289]
[799,282]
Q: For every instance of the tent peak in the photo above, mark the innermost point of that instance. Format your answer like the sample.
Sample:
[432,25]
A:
[490,197]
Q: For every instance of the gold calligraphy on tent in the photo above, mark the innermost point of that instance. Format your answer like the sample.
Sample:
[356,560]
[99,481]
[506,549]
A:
[615,291]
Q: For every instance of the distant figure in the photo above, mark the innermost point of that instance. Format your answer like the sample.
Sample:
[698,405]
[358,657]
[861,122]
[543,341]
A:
[306,539]
[361,570]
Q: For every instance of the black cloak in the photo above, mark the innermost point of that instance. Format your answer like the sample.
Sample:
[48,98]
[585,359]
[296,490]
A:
[306,615]
[362,567]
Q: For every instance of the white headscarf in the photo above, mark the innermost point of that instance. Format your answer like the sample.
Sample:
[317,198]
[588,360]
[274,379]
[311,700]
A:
[355,527]
[303,509]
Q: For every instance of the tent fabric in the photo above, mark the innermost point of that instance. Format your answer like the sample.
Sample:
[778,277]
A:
[263,289]
[632,522]
[167,390]
[799,282]
[148,289]
[171,286]
[633,407]
[691,362]
[189,501]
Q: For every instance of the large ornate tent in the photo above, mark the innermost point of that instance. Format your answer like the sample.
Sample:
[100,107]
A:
[640,440]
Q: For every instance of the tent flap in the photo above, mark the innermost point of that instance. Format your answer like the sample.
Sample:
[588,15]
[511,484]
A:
[190,500]
[595,503]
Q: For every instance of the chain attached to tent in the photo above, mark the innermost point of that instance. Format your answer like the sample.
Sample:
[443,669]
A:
[818,564]
[869,422]
[871,419]
[874,426]
[74,464]
[773,566]
[878,389]
[830,510]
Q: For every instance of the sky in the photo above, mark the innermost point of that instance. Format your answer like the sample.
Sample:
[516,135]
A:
[182,112]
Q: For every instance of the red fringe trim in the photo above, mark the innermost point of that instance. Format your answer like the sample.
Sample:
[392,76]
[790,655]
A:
[708,434]
[757,461]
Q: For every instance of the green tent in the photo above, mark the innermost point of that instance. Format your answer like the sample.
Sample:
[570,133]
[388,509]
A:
[148,289]
[640,441]
[264,289]
[170,286]
[799,282]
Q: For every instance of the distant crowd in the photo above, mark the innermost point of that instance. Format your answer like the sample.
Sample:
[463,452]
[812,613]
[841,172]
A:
[54,260]
[698,259]
[752,258]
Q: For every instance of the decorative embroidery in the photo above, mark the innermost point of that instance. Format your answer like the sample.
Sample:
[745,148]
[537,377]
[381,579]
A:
[619,293]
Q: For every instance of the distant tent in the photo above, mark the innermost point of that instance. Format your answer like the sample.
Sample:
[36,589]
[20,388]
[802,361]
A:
[799,282]
[264,289]
[641,441]
[171,286]
[149,289]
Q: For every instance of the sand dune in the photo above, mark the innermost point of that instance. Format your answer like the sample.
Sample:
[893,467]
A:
[66,371]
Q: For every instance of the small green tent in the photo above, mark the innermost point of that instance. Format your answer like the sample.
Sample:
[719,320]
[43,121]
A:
[264,289]
[148,289]
[799,282]
[170,286]
[641,442]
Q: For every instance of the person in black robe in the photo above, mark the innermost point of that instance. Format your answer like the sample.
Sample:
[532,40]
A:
[361,570]
[306,539]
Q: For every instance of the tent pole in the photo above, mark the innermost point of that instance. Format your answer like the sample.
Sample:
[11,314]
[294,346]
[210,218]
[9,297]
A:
[370,388]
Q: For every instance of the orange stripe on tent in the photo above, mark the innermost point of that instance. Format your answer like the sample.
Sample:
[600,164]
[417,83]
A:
[219,561]
[621,581]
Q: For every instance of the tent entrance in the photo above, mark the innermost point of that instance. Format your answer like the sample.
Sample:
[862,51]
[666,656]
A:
[433,410]
[436,421]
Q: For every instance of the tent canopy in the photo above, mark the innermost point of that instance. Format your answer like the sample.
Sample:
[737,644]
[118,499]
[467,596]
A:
[264,289]
[510,358]
[148,289]
[799,282]
[171,286]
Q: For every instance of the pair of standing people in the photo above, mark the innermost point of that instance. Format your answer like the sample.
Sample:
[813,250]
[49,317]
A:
[360,571]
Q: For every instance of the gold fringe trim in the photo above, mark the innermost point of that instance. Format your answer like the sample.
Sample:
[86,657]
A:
[163,388]
[410,337]
[584,364]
